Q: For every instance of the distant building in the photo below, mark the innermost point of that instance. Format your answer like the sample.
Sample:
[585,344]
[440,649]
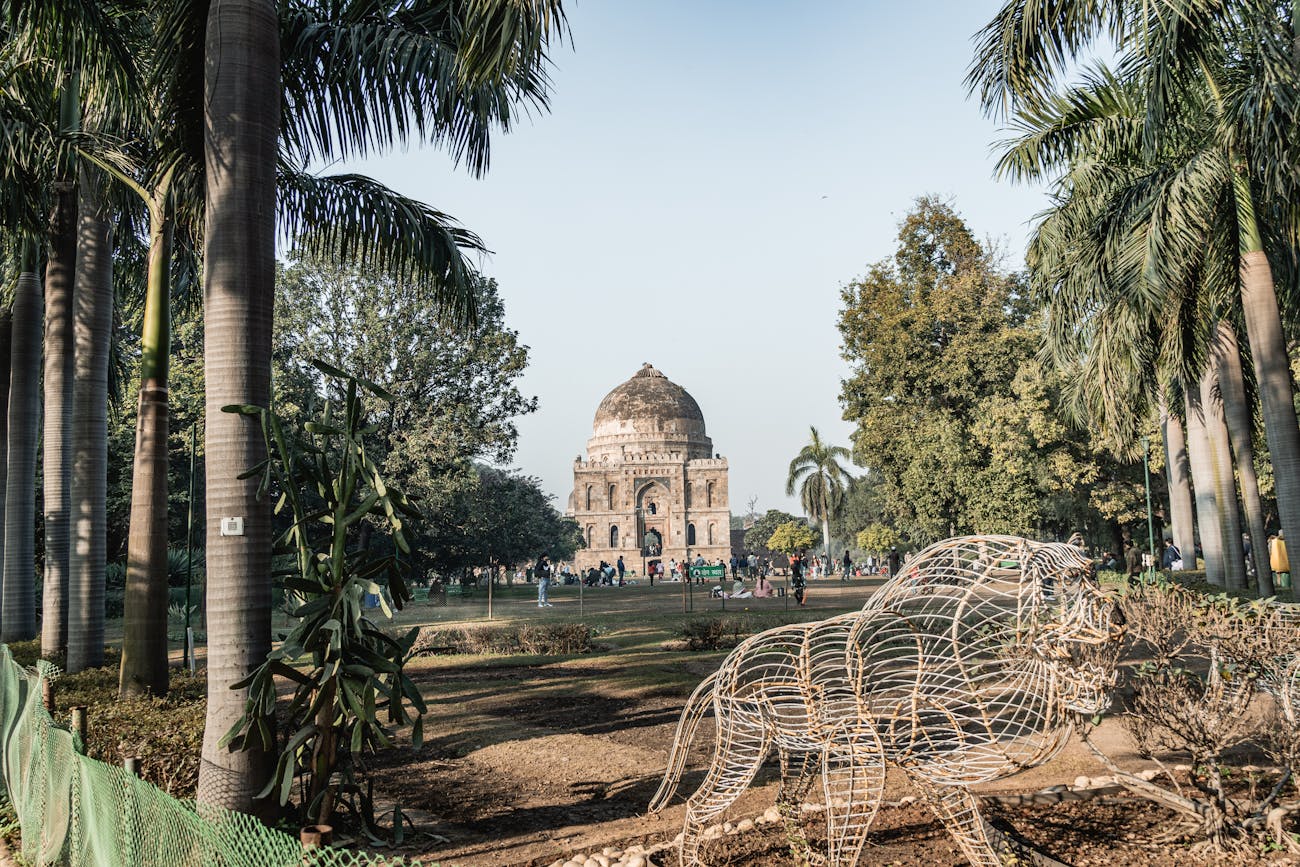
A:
[651,484]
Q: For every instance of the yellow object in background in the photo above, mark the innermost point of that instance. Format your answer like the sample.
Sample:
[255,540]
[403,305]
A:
[1277,554]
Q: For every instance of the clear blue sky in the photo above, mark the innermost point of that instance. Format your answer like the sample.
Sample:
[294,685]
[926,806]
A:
[709,175]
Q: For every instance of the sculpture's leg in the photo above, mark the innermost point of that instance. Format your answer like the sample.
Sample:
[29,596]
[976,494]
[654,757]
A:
[854,779]
[958,809]
[741,748]
[798,770]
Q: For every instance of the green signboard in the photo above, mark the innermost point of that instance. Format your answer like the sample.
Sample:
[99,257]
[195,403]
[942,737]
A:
[708,571]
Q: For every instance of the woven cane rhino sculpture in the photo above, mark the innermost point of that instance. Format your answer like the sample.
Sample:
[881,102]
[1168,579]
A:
[964,668]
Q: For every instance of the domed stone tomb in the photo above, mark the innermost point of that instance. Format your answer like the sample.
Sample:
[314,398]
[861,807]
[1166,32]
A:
[651,487]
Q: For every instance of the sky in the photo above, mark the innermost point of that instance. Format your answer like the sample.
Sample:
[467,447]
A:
[708,177]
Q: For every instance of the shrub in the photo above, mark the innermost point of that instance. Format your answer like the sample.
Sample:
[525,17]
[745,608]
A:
[1201,665]
[165,733]
[716,633]
[542,639]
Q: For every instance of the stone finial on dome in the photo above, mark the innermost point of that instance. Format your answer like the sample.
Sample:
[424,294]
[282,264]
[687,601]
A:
[648,369]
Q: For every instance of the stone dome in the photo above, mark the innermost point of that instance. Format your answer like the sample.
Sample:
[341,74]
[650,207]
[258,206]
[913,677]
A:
[648,413]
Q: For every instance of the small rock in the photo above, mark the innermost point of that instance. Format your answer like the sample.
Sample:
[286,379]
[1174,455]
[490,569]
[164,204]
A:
[602,860]
[1082,782]
[745,825]
[772,814]
[727,827]
[906,799]
[591,862]
[610,852]
[636,861]
[1183,769]
[713,832]
[1148,775]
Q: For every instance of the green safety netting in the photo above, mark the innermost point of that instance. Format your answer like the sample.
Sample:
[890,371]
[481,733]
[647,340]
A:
[77,811]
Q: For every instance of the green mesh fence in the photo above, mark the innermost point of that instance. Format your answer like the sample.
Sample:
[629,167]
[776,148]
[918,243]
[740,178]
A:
[77,811]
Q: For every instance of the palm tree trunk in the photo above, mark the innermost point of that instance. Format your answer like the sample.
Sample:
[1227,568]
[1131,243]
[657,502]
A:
[60,272]
[242,120]
[93,327]
[1272,367]
[1225,485]
[6,360]
[144,626]
[1241,426]
[1207,509]
[1178,474]
[18,598]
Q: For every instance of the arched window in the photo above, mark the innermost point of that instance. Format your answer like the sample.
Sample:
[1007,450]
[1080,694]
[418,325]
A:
[690,534]
[588,498]
[613,536]
[591,532]
[708,498]
[613,489]
[652,509]
[711,526]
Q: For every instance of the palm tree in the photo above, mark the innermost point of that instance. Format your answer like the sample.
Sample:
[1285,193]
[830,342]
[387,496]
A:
[56,460]
[1222,76]
[242,127]
[18,602]
[474,55]
[93,322]
[1241,429]
[1182,519]
[821,482]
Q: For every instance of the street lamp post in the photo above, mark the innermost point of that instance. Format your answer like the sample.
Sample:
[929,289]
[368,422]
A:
[1151,531]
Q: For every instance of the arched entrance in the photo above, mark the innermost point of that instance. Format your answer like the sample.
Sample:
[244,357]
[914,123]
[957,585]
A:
[652,511]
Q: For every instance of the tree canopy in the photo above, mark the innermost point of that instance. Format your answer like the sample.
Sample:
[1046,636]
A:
[957,420]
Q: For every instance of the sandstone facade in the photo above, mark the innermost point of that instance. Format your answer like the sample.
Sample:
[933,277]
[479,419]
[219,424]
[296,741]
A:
[650,487]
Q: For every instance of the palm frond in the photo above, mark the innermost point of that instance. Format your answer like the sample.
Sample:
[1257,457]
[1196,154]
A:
[351,218]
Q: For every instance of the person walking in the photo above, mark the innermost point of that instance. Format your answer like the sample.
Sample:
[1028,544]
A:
[621,570]
[1171,556]
[797,580]
[848,565]
[1133,562]
[543,572]
[893,562]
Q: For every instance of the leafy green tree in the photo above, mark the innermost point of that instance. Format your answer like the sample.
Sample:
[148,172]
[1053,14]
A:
[957,421]
[878,538]
[791,537]
[862,506]
[756,536]
[821,481]
[502,518]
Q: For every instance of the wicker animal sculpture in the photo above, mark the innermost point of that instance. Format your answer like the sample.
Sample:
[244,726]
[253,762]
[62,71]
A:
[962,669]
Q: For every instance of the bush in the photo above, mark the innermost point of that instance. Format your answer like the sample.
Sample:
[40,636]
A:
[166,734]
[542,639]
[716,633]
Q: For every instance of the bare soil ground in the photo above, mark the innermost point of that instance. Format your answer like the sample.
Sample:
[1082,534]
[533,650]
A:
[530,760]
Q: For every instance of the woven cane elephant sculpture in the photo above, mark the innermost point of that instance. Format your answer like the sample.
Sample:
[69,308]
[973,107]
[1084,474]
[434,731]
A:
[962,669]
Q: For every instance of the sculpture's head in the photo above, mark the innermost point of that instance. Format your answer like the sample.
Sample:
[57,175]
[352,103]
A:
[1000,604]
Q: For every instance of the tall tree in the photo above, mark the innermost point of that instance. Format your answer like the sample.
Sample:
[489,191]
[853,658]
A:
[92,328]
[242,123]
[821,481]
[1218,79]
[56,461]
[467,58]
[18,597]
